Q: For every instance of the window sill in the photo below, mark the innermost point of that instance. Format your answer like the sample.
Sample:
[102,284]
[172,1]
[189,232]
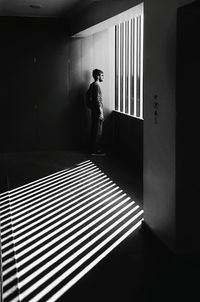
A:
[129,115]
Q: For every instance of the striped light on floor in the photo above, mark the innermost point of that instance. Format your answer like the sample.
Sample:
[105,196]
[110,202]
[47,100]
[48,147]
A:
[56,229]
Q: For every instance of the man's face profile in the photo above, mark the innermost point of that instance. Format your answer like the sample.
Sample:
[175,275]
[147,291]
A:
[101,77]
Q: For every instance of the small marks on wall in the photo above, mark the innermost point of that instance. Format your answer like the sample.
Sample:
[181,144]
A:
[155,106]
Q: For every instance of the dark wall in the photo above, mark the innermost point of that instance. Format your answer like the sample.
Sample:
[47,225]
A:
[127,138]
[37,112]
[187,131]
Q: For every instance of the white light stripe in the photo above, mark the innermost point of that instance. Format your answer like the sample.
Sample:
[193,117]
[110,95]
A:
[101,185]
[19,199]
[9,292]
[70,248]
[129,66]
[52,199]
[64,289]
[138,62]
[77,264]
[10,243]
[6,215]
[4,200]
[84,162]
[41,214]
[135,66]
[67,218]
[5,272]
[40,270]
[132,66]
[62,201]
[74,280]
[4,263]
[9,280]
[119,96]
[67,261]
[31,184]
[8,237]
[141,65]
[41,226]
[17,204]
[39,181]
[17,247]
[2,194]
[44,178]
[61,221]
[10,268]
[6,207]
[27,268]
[57,224]
[124,62]
[68,175]
[6,224]
[24,206]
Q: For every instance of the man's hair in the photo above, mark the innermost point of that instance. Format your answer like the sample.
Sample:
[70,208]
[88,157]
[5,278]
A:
[96,73]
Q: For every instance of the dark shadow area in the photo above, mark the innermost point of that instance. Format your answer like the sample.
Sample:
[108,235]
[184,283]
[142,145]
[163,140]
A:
[24,167]
[78,125]
[123,144]
[168,276]
[187,129]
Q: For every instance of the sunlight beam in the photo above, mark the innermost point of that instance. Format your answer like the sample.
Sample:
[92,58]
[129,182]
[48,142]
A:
[56,229]
[74,280]
[69,271]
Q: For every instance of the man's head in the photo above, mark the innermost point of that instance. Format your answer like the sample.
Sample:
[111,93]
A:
[98,75]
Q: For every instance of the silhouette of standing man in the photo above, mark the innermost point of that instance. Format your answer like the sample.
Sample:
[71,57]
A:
[97,115]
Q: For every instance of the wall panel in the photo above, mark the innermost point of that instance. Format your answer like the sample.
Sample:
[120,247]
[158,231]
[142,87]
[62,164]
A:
[33,79]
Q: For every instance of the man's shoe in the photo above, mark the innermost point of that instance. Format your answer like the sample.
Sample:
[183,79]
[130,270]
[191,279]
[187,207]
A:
[98,153]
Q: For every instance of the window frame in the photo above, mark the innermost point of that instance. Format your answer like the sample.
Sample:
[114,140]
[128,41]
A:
[129,37]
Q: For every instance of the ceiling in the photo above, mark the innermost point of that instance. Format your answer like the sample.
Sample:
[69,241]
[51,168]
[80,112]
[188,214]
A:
[43,8]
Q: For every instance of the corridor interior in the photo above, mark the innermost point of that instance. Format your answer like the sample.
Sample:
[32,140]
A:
[71,230]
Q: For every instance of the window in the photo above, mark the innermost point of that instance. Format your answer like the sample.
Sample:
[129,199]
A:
[129,66]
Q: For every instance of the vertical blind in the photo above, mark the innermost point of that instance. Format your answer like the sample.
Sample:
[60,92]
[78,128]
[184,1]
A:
[129,67]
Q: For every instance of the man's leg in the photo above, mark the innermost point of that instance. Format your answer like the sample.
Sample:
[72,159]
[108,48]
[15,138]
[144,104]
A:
[96,135]
[99,135]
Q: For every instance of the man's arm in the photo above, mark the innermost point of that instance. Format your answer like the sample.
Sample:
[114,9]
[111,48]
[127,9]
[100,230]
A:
[97,99]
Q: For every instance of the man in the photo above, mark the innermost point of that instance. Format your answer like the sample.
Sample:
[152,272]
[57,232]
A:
[97,115]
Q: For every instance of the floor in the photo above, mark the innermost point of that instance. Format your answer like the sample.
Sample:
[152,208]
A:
[137,269]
